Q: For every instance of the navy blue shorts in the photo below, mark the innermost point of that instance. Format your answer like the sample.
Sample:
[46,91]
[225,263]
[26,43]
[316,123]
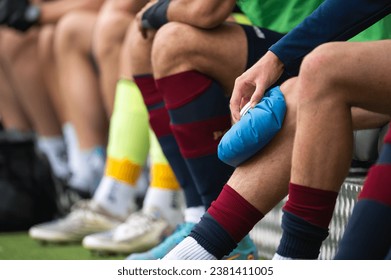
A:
[259,41]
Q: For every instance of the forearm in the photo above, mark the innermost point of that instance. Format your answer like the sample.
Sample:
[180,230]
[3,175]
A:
[335,21]
[52,11]
[200,13]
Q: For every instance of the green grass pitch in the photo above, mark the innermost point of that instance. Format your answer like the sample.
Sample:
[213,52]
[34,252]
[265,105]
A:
[19,246]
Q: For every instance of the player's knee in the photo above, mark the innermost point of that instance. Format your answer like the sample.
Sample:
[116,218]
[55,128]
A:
[287,88]
[68,30]
[170,45]
[317,71]
[110,32]
[9,45]
[291,99]
[135,46]
[46,38]
[14,44]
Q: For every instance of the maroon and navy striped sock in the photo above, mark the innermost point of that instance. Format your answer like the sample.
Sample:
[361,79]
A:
[367,235]
[229,219]
[160,124]
[199,114]
[305,221]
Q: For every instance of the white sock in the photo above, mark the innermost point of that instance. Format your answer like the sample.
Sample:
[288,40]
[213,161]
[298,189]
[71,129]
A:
[54,149]
[72,145]
[143,182]
[278,257]
[168,202]
[194,214]
[117,198]
[96,159]
[91,169]
[189,249]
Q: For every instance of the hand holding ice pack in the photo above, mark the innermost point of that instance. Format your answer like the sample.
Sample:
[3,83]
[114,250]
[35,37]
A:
[254,130]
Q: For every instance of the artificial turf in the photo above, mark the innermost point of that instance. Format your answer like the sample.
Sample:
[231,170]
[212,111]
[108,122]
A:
[19,246]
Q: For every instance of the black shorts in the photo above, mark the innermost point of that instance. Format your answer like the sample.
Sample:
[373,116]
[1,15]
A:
[259,41]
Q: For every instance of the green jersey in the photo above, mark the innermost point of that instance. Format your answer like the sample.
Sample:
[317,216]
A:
[277,15]
[378,31]
[283,15]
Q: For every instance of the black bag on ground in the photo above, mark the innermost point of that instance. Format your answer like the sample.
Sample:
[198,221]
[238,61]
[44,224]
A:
[27,192]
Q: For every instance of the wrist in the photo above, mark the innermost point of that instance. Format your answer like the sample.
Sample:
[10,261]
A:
[23,15]
[274,60]
[32,14]
[156,15]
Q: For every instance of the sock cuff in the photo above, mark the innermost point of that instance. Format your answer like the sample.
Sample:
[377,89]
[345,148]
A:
[147,86]
[189,249]
[213,237]
[158,114]
[378,184]
[163,177]
[123,85]
[235,214]
[243,202]
[128,97]
[123,170]
[300,239]
[313,205]
[172,87]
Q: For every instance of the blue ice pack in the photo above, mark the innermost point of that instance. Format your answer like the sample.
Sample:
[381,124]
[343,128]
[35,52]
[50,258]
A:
[254,130]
